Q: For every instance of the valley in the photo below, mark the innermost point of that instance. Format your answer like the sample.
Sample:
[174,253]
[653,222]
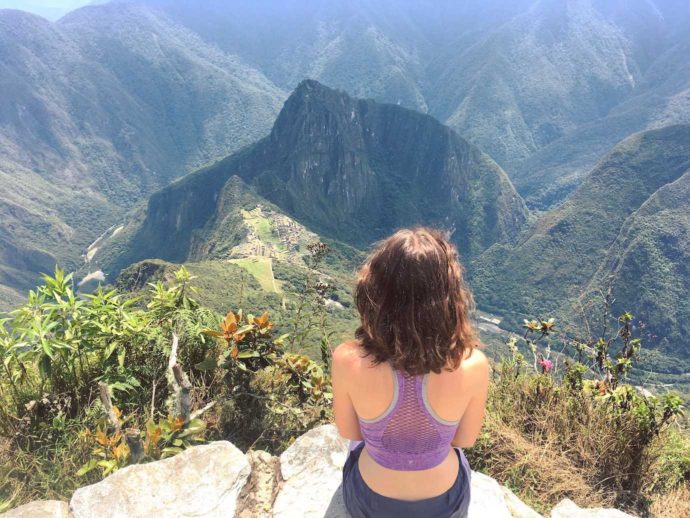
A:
[555,180]
[189,188]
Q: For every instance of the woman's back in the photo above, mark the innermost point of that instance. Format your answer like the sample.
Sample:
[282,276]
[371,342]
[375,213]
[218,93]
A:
[412,384]
[410,422]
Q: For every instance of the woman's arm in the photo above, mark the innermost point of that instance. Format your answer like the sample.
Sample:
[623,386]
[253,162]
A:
[345,416]
[473,418]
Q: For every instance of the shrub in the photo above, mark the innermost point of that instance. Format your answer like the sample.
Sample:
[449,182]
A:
[580,431]
[96,382]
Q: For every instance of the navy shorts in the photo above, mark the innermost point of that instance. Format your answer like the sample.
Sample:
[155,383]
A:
[362,502]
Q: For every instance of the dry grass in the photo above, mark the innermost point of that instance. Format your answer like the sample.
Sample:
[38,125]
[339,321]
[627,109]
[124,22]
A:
[547,443]
[674,504]
[540,472]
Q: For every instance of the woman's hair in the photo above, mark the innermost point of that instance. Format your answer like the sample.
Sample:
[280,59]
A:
[413,304]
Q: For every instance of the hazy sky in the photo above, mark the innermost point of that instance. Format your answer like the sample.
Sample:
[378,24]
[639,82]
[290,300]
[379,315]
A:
[51,9]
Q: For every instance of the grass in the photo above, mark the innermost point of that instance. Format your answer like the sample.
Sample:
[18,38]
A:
[262,270]
[260,224]
[547,441]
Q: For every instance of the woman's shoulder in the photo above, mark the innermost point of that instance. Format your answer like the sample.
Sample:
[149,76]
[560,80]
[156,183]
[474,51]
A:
[475,366]
[348,353]
[475,358]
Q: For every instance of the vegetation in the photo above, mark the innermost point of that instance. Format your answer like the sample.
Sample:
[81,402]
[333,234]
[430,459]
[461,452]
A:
[128,100]
[623,230]
[114,122]
[559,428]
[95,382]
[92,383]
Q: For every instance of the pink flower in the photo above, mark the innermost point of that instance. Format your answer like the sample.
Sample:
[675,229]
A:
[546,365]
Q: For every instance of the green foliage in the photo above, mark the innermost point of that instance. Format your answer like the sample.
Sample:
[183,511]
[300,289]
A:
[276,394]
[310,314]
[623,231]
[114,449]
[580,431]
[237,378]
[106,380]
[57,346]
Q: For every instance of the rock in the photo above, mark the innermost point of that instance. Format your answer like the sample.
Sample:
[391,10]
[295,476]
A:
[218,480]
[40,509]
[569,509]
[518,508]
[257,496]
[312,474]
[487,498]
[203,481]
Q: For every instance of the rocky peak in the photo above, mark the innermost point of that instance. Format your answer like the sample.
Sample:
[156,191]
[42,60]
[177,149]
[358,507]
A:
[348,169]
[356,169]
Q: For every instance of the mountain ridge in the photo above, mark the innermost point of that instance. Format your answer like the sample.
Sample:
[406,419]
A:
[331,152]
[566,253]
[100,109]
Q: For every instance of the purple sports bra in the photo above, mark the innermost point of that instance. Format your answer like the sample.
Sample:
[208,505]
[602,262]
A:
[409,435]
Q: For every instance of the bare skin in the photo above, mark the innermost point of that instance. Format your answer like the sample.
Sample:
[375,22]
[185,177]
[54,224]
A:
[361,388]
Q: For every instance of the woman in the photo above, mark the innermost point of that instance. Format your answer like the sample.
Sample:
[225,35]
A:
[412,385]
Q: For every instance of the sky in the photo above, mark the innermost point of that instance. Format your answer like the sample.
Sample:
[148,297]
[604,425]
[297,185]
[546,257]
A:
[51,9]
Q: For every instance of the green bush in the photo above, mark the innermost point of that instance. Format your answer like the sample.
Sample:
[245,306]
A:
[93,383]
[560,428]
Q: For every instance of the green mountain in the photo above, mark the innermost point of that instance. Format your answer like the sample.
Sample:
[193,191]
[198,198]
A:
[97,111]
[545,87]
[536,78]
[648,267]
[660,98]
[352,170]
[627,222]
[114,102]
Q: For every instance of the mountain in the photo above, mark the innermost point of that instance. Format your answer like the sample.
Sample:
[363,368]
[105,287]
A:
[370,49]
[627,222]
[661,98]
[648,266]
[351,170]
[537,78]
[114,102]
[97,111]
[522,80]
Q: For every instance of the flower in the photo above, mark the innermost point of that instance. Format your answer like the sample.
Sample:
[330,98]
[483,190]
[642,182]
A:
[545,364]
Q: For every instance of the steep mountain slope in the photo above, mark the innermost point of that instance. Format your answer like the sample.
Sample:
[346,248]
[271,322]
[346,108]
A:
[648,266]
[370,49]
[661,98]
[629,218]
[537,78]
[100,109]
[356,170]
[352,170]
[511,77]
[248,253]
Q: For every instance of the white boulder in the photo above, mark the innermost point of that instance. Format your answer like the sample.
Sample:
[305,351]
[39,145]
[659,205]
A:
[569,509]
[311,469]
[203,481]
[40,509]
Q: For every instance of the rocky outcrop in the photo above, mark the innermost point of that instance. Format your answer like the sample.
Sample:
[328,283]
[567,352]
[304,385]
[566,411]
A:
[217,480]
[201,481]
[257,496]
[311,472]
[569,509]
[348,169]
[40,509]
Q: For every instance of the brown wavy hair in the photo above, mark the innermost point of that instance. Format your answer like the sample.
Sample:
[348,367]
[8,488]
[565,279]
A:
[413,304]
